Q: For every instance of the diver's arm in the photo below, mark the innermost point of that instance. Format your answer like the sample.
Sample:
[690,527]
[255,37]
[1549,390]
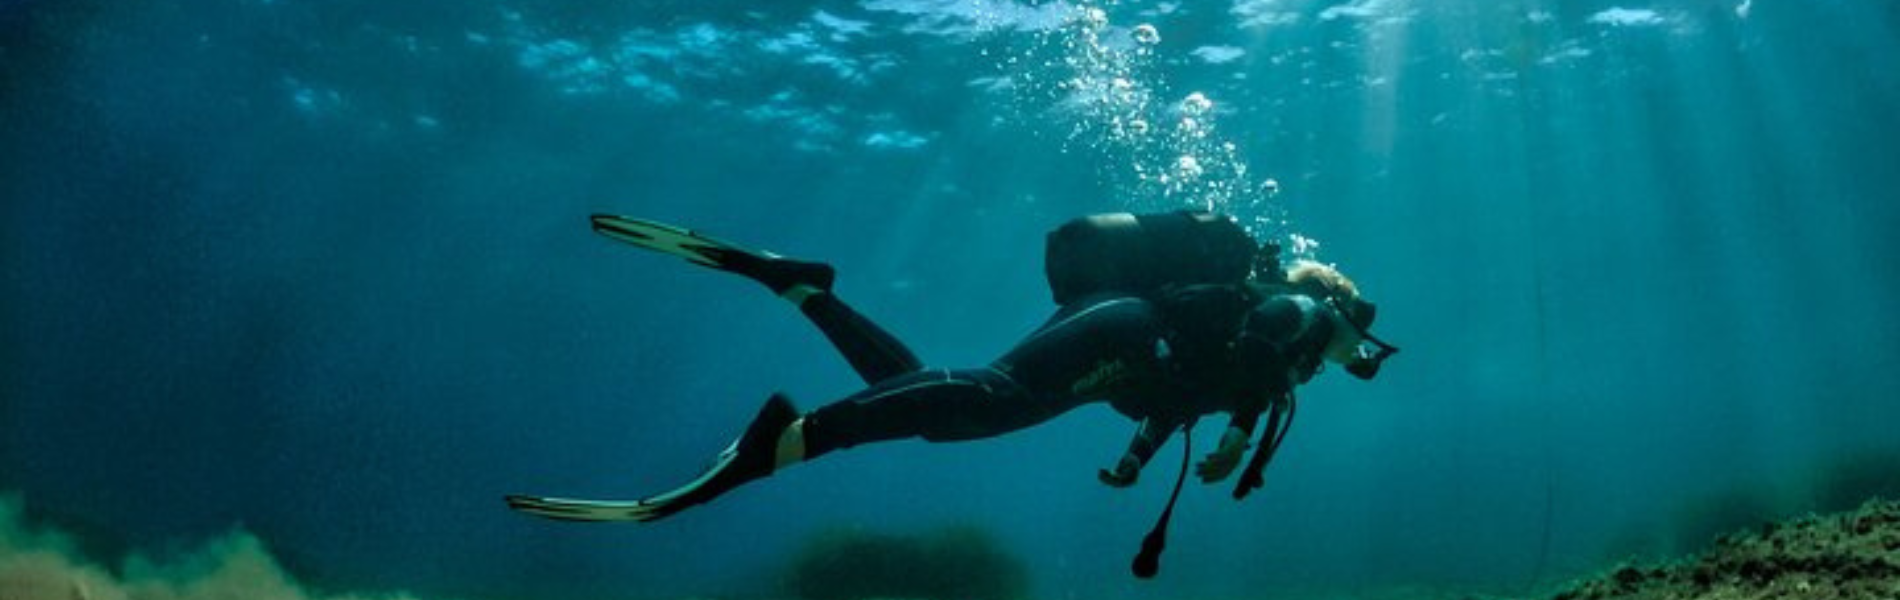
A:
[1148,438]
[1244,420]
[1220,463]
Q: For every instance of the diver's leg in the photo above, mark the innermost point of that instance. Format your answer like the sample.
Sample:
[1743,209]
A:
[938,405]
[1102,351]
[873,352]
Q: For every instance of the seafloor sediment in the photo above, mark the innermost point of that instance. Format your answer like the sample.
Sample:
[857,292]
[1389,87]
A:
[1847,555]
[1851,555]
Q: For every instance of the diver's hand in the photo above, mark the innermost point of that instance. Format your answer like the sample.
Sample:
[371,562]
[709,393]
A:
[1123,475]
[1221,462]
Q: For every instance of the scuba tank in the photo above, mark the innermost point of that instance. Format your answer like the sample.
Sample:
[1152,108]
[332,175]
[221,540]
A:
[1141,254]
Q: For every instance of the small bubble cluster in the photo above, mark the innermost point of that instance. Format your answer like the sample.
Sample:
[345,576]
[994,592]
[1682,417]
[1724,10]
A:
[1187,168]
[1196,104]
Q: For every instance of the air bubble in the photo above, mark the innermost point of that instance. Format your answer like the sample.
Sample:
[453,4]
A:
[1304,246]
[1146,35]
[1195,104]
[1187,167]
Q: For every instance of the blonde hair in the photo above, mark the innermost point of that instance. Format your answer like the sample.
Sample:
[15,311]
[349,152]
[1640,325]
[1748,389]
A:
[1320,280]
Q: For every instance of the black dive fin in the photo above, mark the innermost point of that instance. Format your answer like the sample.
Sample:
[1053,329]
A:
[776,272]
[669,239]
[750,457]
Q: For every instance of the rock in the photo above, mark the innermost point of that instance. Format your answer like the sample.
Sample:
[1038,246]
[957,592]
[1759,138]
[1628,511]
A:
[1850,555]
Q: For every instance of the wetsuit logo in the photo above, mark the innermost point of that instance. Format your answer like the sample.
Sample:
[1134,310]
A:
[1105,374]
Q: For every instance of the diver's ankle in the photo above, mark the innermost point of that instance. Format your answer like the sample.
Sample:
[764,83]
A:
[799,293]
[791,445]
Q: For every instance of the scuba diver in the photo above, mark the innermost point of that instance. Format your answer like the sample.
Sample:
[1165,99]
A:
[1166,317]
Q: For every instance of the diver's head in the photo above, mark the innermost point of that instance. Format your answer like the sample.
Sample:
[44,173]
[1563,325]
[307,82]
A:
[1352,317]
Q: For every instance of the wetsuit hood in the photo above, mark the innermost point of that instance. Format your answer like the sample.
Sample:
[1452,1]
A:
[1281,343]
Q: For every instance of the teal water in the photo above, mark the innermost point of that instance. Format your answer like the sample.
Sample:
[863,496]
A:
[320,271]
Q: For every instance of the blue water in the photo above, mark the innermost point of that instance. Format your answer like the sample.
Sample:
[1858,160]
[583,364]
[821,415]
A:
[320,270]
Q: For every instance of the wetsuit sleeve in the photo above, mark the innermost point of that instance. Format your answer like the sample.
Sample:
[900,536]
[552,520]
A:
[1245,408]
[1149,437]
[1244,419]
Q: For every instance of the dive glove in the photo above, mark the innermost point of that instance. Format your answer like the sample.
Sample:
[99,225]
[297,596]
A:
[1221,462]
[1124,474]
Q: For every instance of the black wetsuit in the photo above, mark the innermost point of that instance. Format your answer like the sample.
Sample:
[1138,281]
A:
[1163,362]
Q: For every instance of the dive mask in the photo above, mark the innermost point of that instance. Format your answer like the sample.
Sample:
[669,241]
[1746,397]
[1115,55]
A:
[1359,314]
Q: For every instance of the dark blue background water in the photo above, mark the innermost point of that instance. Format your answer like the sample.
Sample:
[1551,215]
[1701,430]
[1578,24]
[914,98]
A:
[321,270]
